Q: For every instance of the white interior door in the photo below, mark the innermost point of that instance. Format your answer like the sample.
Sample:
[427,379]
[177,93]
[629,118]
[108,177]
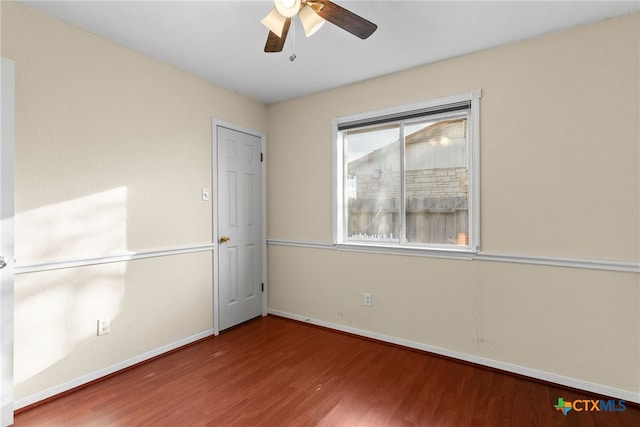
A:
[6,243]
[239,207]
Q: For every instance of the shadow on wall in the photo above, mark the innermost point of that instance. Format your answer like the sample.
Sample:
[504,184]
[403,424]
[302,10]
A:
[57,309]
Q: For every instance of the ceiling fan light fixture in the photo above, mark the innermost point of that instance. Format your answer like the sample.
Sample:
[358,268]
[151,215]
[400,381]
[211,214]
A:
[274,21]
[312,13]
[311,21]
[288,8]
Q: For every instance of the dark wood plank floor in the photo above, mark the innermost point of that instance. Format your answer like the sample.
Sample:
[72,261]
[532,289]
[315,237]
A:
[277,372]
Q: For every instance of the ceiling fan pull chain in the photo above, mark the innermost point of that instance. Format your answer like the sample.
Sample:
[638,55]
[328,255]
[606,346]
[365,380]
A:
[293,39]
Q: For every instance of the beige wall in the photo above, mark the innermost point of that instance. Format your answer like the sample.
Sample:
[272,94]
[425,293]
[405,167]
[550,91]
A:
[112,150]
[113,147]
[559,138]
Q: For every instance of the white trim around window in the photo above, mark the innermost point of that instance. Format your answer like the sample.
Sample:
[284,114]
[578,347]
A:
[406,113]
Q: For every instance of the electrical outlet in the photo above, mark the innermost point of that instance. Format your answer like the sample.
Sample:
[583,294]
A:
[104,326]
[367,299]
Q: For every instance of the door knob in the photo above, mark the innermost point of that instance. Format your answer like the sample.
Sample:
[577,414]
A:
[224,239]
[3,264]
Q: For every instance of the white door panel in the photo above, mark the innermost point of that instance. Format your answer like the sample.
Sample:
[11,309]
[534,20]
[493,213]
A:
[239,227]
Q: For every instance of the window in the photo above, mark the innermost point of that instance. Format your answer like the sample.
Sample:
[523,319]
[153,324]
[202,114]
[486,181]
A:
[408,177]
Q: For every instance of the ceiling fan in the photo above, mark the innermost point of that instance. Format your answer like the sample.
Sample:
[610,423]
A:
[312,14]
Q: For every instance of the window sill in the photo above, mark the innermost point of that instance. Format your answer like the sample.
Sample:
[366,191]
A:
[464,253]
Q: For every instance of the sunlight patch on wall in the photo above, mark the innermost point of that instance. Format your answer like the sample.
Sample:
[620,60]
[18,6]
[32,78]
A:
[56,311]
[86,227]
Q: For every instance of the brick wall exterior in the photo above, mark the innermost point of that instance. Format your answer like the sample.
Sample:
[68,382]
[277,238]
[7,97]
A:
[420,184]
[437,205]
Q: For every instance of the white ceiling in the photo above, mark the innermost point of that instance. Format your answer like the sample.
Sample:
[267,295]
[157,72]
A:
[223,41]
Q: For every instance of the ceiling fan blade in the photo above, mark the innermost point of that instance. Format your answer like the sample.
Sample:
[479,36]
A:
[275,43]
[344,19]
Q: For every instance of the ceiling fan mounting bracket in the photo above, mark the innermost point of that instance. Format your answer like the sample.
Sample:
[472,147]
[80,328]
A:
[316,5]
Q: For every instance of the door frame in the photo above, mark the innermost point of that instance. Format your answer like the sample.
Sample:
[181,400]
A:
[215,123]
[7,102]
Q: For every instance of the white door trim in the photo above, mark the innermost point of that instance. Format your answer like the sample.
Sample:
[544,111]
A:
[214,210]
[6,250]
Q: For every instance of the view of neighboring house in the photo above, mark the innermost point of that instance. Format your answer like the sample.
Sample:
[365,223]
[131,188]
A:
[436,177]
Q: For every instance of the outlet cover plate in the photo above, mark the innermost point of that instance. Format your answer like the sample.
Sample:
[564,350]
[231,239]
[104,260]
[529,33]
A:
[104,326]
[367,299]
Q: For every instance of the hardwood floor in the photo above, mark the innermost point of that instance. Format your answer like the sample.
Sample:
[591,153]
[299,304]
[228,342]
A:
[277,372]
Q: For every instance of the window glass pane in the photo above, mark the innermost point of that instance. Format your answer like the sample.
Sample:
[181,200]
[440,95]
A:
[436,181]
[372,183]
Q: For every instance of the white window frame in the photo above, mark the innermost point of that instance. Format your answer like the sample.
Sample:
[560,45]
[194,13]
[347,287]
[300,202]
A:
[340,241]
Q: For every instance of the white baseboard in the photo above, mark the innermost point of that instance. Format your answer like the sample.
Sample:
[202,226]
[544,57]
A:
[520,370]
[85,379]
